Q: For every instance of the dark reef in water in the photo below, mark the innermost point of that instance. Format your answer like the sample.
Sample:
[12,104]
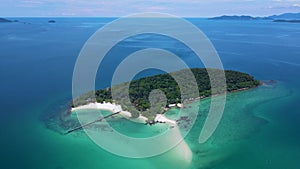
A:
[57,116]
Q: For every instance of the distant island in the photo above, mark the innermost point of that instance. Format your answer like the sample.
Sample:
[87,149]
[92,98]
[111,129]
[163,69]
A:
[236,17]
[3,20]
[289,21]
[139,91]
[286,17]
[51,21]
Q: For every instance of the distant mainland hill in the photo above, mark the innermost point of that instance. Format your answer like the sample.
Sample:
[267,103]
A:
[286,17]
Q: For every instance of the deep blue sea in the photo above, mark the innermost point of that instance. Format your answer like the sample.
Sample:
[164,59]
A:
[260,127]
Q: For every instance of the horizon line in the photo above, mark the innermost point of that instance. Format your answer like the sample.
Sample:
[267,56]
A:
[85,16]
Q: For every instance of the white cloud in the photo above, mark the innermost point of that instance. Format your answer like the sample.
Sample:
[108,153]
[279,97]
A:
[296,5]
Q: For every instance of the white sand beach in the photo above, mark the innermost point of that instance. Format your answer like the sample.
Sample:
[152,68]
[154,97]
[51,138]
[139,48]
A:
[105,106]
[163,119]
[117,108]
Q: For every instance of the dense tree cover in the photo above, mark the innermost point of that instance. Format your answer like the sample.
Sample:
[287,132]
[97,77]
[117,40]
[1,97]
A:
[139,90]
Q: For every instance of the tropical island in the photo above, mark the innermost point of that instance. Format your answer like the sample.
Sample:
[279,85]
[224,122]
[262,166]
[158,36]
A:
[140,89]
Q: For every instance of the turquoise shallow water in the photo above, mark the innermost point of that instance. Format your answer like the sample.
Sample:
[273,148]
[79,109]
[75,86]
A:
[259,129]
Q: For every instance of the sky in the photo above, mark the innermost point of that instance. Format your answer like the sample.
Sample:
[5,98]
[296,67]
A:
[109,8]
